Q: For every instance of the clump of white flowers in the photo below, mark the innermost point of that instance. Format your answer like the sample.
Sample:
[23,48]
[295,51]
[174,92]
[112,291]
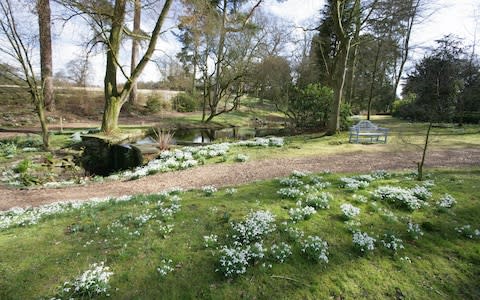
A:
[165,267]
[233,261]
[209,190]
[281,251]
[360,198]
[468,231]
[210,241]
[230,191]
[92,283]
[380,174]
[315,249]
[391,242]
[300,174]
[349,211]
[414,230]
[294,234]
[447,201]
[319,200]
[241,157]
[254,227]
[300,213]
[352,225]
[354,184]
[363,242]
[403,197]
[291,182]
[421,192]
[263,142]
[290,193]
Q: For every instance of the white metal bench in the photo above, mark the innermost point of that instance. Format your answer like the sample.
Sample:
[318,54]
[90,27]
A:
[366,131]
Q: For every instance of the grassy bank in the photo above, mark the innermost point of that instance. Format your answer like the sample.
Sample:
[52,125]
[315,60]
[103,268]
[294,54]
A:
[148,236]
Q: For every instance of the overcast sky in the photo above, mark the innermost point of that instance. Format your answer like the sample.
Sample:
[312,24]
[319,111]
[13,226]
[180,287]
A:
[450,17]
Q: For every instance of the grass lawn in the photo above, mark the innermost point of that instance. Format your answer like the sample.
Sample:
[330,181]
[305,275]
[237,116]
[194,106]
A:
[147,236]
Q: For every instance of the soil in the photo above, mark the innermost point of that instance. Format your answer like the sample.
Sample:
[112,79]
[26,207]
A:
[221,175]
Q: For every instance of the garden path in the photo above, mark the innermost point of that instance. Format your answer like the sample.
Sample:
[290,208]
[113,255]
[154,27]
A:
[221,175]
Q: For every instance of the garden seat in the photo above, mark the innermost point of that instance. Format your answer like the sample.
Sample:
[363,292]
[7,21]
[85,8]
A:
[365,131]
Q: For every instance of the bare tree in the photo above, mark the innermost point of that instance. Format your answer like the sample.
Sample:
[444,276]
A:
[78,71]
[15,45]
[107,18]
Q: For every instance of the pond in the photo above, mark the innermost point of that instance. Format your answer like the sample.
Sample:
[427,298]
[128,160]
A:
[102,158]
[199,136]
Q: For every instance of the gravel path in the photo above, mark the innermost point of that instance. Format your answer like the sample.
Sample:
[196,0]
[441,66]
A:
[222,175]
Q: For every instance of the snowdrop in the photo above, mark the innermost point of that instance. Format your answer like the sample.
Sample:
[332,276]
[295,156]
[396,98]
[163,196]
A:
[414,230]
[363,242]
[447,201]
[281,251]
[291,193]
[349,211]
[165,267]
[93,282]
[210,241]
[209,190]
[393,243]
[315,248]
[353,184]
[301,213]
[256,225]
[319,200]
[404,197]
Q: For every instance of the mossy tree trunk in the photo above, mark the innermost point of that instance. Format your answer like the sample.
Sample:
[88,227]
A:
[115,98]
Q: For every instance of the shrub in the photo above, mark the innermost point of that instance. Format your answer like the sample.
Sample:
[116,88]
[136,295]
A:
[310,106]
[23,166]
[156,103]
[8,149]
[184,102]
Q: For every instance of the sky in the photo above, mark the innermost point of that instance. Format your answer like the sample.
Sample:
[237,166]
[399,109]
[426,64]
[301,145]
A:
[449,17]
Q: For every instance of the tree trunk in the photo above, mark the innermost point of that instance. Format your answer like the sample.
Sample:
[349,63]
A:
[132,100]
[43,9]
[339,82]
[374,77]
[218,67]
[114,99]
[111,114]
[415,4]
[424,154]
[43,123]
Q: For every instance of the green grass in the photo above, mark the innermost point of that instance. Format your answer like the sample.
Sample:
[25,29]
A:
[37,259]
